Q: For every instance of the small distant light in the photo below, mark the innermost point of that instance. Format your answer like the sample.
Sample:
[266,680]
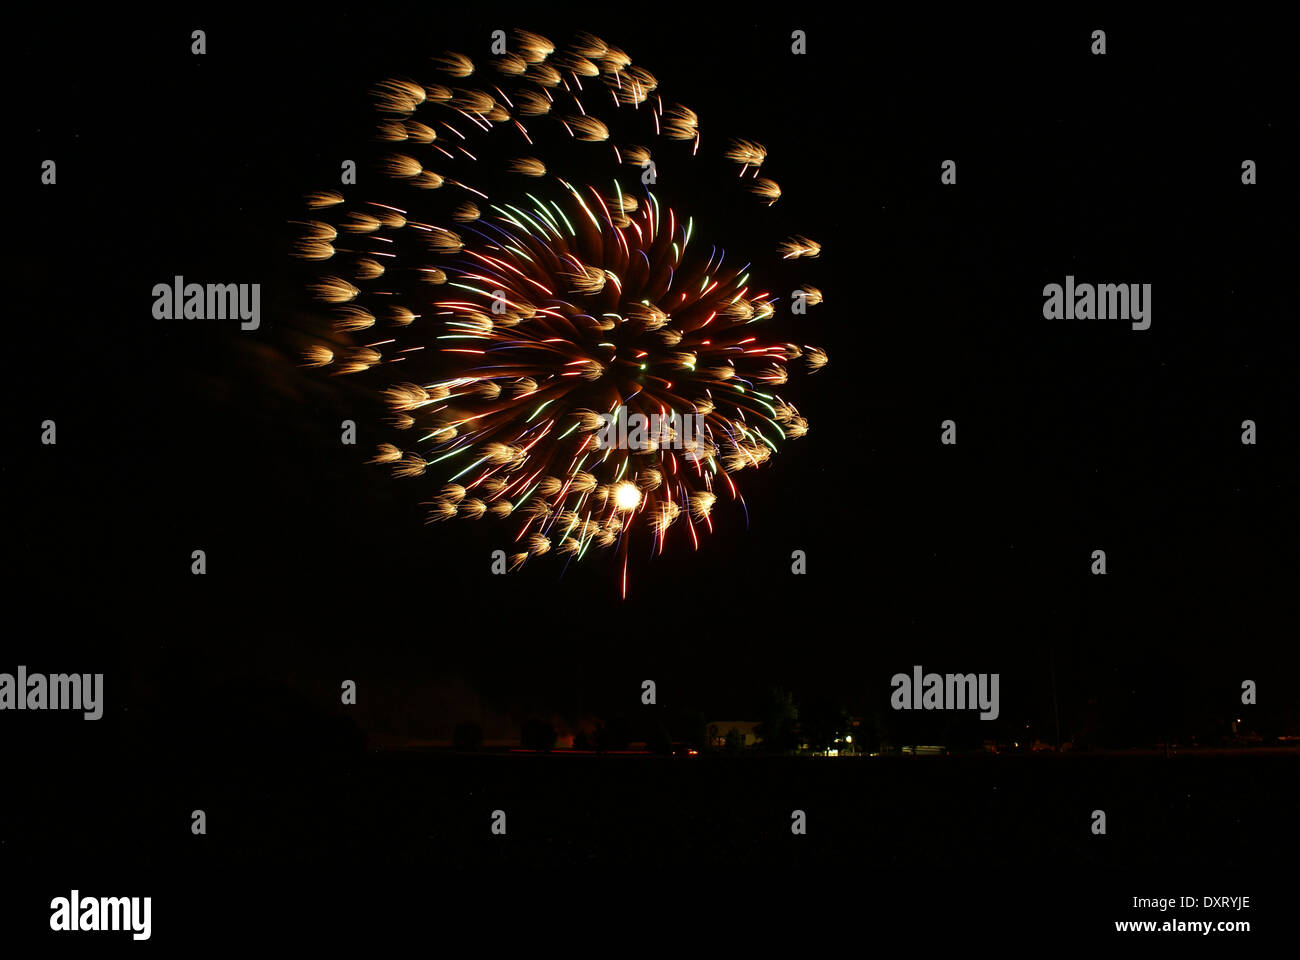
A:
[848,739]
[643,366]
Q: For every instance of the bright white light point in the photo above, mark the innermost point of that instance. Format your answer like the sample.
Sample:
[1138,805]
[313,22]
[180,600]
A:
[627,496]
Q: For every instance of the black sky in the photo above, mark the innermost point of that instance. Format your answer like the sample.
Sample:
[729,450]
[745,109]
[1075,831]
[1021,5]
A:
[1073,436]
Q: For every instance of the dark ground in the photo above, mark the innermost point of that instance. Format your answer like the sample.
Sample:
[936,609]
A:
[892,842]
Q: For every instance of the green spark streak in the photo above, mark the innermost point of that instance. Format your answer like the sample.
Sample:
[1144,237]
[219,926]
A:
[585,209]
[527,495]
[541,209]
[583,551]
[467,469]
[509,218]
[524,213]
[572,232]
[540,409]
[569,431]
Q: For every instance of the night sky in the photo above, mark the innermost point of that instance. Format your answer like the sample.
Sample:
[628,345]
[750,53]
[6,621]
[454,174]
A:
[1073,435]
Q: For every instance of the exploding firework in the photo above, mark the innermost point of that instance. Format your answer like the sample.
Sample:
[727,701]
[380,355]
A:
[521,287]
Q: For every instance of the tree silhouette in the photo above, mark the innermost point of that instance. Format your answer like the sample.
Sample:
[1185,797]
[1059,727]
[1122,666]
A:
[537,735]
[467,736]
[779,715]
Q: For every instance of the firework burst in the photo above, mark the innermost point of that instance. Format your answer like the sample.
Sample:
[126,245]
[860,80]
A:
[507,307]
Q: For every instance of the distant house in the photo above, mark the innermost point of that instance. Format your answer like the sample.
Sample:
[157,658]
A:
[718,730]
[925,750]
